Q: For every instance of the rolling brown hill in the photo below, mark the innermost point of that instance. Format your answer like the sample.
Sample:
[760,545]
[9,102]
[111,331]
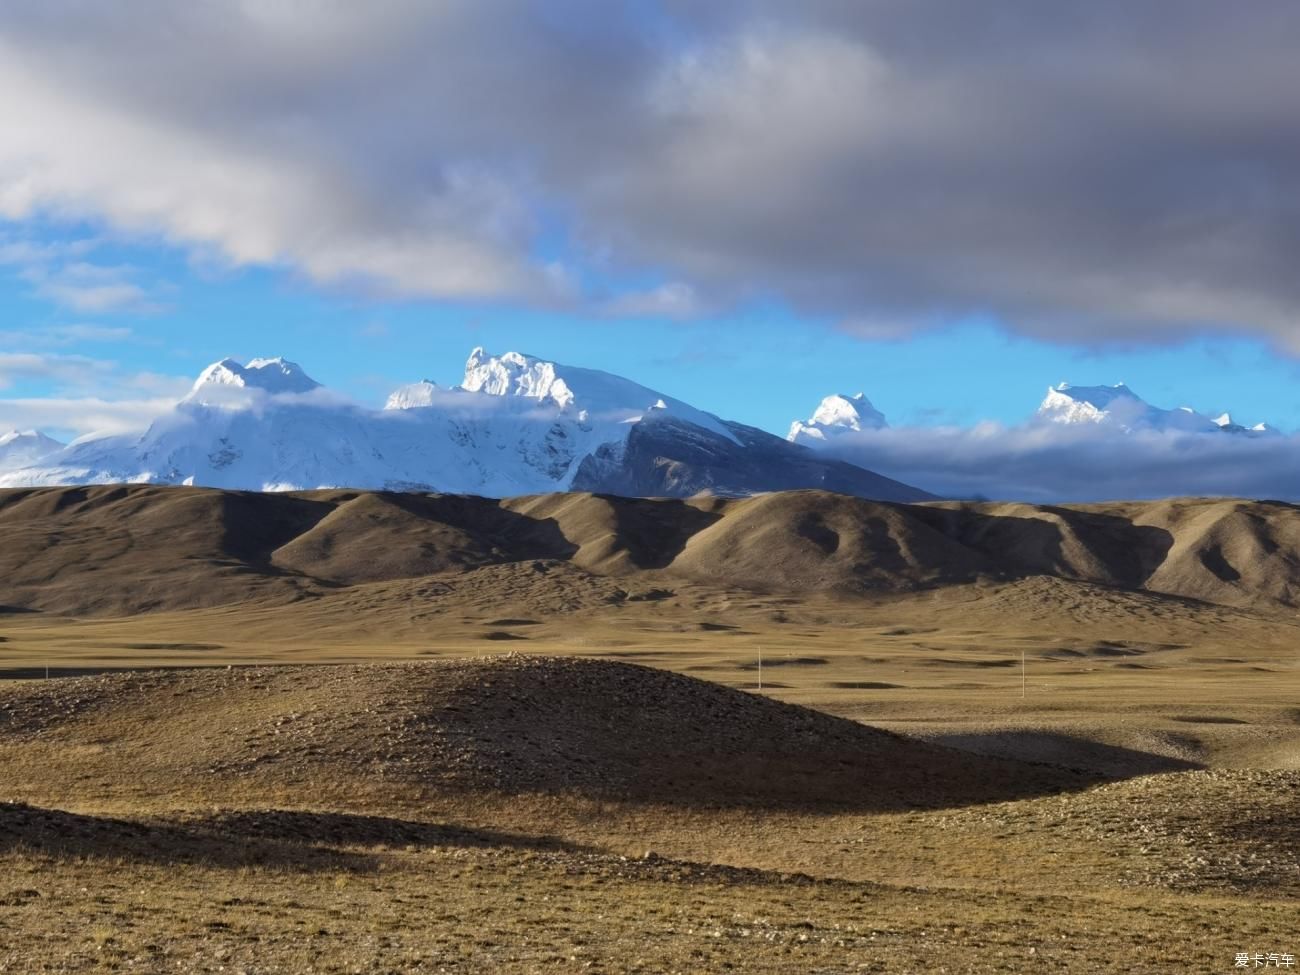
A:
[120,550]
[508,724]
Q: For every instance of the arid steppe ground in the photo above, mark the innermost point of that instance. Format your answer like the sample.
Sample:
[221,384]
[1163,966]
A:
[345,732]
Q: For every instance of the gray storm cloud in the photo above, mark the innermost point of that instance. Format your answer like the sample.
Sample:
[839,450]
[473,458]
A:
[1088,172]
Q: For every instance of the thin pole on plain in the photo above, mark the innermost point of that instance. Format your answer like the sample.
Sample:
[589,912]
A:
[1022,672]
[760,668]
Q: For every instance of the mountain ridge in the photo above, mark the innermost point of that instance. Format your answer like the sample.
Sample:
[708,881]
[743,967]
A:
[125,549]
[515,425]
[1120,406]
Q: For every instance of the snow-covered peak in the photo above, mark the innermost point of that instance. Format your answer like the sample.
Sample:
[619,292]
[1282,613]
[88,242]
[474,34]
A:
[1091,404]
[21,447]
[515,374]
[273,376]
[836,415]
[25,437]
[1117,406]
[413,395]
[851,412]
[587,393]
[1120,407]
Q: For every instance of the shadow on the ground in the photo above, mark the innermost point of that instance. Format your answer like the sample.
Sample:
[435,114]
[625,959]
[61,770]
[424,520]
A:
[1067,751]
[348,829]
[306,841]
[60,834]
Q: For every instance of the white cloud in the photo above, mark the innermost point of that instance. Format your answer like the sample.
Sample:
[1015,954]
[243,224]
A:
[86,287]
[82,415]
[63,369]
[59,272]
[1054,463]
[29,253]
[86,395]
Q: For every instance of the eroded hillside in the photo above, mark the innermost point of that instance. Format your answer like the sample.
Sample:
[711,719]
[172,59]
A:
[119,550]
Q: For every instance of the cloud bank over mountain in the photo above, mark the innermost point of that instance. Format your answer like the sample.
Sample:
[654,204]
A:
[1083,443]
[1103,172]
[1042,463]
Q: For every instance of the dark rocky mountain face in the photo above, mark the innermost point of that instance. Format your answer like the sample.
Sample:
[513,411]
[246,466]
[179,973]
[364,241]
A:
[665,457]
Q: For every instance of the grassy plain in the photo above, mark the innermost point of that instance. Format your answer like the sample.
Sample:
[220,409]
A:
[359,778]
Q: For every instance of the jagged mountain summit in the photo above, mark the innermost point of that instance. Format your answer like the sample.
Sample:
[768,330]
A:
[1120,407]
[516,424]
[412,395]
[604,397]
[835,416]
[20,448]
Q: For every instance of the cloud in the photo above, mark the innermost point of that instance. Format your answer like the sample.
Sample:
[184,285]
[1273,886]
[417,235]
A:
[673,300]
[1112,172]
[68,334]
[82,415]
[318,137]
[29,253]
[86,395]
[63,369]
[87,287]
[59,272]
[879,329]
[1049,463]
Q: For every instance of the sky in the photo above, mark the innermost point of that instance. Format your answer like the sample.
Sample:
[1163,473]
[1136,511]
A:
[747,205]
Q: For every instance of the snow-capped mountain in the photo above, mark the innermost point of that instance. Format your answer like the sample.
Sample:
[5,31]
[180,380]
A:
[219,381]
[1225,423]
[515,424]
[835,416]
[605,397]
[423,393]
[21,448]
[1120,407]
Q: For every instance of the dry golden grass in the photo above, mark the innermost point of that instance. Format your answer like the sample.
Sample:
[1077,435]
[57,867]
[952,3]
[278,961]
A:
[375,819]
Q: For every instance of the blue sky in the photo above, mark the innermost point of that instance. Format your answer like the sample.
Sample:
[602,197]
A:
[747,204]
[763,365]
